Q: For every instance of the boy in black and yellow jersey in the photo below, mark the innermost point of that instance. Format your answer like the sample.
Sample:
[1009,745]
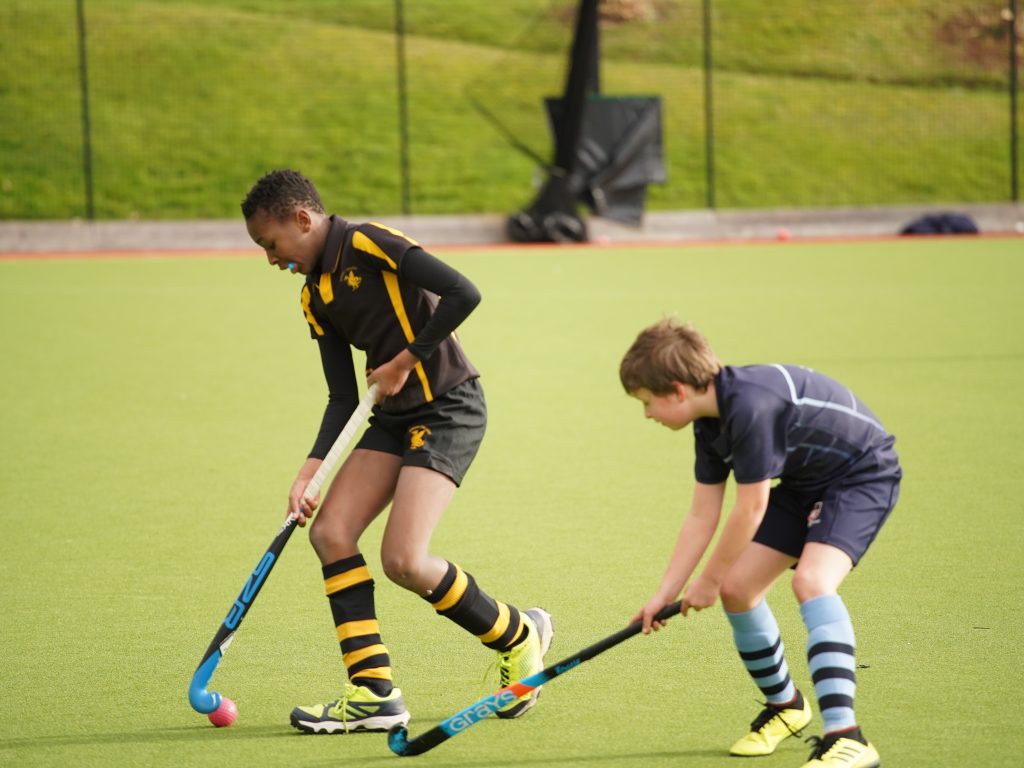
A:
[370,287]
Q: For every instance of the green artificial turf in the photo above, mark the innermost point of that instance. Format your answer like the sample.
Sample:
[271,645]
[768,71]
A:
[154,412]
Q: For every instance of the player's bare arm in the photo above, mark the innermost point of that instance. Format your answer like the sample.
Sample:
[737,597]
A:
[739,530]
[694,537]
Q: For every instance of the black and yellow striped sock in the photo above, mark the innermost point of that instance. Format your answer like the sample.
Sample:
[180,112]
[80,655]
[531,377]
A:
[457,597]
[349,589]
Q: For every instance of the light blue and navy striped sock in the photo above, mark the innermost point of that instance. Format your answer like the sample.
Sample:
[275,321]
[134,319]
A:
[757,638]
[830,656]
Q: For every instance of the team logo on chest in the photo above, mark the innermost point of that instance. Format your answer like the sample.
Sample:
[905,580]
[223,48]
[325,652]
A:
[418,436]
[351,279]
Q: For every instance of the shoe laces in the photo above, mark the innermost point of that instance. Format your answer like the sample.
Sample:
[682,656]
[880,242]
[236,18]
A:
[504,664]
[767,715]
[821,744]
[342,703]
[500,666]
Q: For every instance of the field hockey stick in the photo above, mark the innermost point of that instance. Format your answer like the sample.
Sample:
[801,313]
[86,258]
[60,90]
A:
[209,701]
[398,739]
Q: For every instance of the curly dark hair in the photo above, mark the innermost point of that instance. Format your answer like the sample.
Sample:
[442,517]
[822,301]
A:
[280,192]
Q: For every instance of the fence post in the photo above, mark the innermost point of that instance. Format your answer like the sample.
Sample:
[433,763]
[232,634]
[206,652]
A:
[1014,134]
[83,79]
[709,113]
[403,108]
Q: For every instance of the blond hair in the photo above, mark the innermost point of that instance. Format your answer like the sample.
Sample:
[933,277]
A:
[665,353]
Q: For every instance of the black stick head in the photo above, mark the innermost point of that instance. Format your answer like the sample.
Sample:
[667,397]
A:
[398,739]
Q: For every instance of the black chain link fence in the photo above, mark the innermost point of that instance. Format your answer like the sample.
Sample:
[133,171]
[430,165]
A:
[170,109]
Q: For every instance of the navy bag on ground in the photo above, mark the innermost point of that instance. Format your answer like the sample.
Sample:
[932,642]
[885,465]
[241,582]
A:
[941,224]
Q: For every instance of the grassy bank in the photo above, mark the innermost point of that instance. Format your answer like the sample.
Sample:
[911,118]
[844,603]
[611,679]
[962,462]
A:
[189,102]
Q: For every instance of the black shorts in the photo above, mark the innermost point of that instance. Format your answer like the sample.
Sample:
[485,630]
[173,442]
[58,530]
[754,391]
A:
[845,515]
[443,435]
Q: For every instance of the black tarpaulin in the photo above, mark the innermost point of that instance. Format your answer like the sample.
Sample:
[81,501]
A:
[619,152]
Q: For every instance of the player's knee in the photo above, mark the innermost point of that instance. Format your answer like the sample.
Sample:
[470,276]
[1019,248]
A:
[318,537]
[736,597]
[807,585]
[330,543]
[400,566]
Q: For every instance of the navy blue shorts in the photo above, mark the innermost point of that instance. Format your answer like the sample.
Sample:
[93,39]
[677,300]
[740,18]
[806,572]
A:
[443,435]
[847,516]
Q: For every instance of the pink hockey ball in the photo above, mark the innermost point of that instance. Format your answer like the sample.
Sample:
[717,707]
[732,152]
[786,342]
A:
[225,714]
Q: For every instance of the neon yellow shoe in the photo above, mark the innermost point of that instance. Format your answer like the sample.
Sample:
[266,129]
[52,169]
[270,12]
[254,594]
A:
[359,709]
[525,659]
[848,749]
[771,727]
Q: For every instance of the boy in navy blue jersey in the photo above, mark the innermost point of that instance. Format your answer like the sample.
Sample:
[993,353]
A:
[371,288]
[838,480]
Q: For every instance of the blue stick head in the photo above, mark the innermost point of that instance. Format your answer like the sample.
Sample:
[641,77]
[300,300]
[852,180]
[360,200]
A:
[398,739]
[199,697]
[203,701]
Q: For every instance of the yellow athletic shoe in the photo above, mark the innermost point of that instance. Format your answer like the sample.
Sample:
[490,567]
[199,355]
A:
[527,658]
[848,749]
[770,728]
[358,709]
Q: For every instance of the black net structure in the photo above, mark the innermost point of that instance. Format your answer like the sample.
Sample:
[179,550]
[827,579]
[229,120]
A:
[617,154]
[606,150]
[169,109]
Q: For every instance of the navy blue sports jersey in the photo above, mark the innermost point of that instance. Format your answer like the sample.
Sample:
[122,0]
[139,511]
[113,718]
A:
[791,423]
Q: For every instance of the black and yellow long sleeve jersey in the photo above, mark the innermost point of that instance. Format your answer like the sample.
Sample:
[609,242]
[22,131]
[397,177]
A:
[379,291]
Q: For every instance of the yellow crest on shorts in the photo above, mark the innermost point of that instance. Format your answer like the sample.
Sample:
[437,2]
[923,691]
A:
[418,436]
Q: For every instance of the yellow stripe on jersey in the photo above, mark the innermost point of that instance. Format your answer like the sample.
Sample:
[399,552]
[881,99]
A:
[326,289]
[347,579]
[366,245]
[306,298]
[391,283]
[394,232]
[455,591]
[358,629]
[500,625]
